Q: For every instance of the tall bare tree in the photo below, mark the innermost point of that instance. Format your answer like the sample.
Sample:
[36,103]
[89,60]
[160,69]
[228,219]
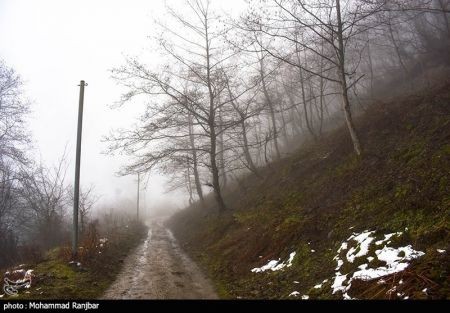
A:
[321,23]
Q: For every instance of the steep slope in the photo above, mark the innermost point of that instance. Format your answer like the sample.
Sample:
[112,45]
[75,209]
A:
[331,223]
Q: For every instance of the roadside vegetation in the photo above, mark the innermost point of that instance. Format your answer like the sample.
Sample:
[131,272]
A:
[102,252]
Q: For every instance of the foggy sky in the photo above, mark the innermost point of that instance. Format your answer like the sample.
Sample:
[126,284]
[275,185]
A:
[54,44]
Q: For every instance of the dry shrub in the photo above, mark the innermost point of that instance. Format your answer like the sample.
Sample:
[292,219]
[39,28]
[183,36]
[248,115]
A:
[88,249]
[395,286]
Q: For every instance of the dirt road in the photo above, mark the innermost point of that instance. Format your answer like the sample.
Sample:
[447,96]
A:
[158,269]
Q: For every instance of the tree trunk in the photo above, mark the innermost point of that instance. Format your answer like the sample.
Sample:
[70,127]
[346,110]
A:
[222,152]
[212,128]
[397,50]
[369,58]
[343,83]
[271,110]
[246,149]
[198,185]
[294,111]
[188,181]
[305,103]
[283,126]
[215,171]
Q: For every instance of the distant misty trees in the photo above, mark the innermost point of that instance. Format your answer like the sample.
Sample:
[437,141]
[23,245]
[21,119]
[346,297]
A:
[232,95]
[34,199]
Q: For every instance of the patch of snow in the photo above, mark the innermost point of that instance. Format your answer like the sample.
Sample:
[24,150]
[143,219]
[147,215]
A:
[363,266]
[324,281]
[294,294]
[406,298]
[269,266]
[318,286]
[21,271]
[296,282]
[7,273]
[312,250]
[391,255]
[29,272]
[1,296]
[103,240]
[275,265]
[340,263]
[347,297]
[305,297]
[338,284]
[400,282]
[381,282]
[291,258]
[425,290]
[372,273]
[78,264]
[364,240]
[342,247]
[440,250]
[387,237]
[396,259]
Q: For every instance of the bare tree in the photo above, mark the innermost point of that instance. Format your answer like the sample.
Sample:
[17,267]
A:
[14,139]
[190,86]
[322,23]
[88,198]
[45,203]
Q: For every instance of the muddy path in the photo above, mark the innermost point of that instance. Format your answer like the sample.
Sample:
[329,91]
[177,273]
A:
[158,269]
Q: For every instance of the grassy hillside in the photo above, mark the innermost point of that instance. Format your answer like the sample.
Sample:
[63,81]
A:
[312,202]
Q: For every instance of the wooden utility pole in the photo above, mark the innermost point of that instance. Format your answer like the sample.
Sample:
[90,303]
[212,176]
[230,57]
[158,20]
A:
[76,198]
[138,186]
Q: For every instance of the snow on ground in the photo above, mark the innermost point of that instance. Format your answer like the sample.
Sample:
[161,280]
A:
[363,241]
[305,297]
[294,294]
[396,259]
[275,265]
[440,250]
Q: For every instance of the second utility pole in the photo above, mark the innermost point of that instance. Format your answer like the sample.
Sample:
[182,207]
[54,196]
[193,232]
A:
[76,191]
[139,178]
